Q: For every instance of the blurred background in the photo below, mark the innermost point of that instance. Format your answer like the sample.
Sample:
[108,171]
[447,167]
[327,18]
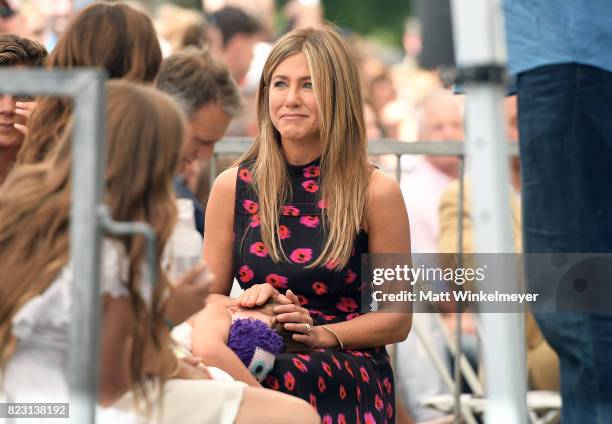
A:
[386,36]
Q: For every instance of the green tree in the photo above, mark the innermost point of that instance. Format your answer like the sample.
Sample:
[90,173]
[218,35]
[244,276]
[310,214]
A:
[191,4]
[382,19]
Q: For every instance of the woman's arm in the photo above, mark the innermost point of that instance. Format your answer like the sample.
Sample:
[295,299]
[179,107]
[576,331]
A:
[117,323]
[209,342]
[219,224]
[284,408]
[389,232]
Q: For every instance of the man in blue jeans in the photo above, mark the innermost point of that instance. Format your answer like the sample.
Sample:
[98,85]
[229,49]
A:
[561,53]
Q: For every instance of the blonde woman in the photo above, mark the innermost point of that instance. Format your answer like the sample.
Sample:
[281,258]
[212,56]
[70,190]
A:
[296,215]
[144,133]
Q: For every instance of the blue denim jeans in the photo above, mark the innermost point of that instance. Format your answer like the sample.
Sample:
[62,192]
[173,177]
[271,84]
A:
[565,124]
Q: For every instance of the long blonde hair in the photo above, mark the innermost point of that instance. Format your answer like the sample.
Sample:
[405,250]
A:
[344,163]
[144,132]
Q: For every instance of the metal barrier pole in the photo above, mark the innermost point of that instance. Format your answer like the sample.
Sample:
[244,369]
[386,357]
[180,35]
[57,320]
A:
[398,168]
[458,330]
[481,56]
[88,167]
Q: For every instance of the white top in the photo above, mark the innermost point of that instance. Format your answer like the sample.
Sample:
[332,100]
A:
[37,370]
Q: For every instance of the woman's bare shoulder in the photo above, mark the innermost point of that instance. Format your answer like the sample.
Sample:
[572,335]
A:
[226,181]
[220,205]
[383,188]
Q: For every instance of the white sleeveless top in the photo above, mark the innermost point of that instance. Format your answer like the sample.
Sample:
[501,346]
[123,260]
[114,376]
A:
[37,370]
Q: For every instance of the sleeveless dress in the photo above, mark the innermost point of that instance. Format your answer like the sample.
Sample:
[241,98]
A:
[352,386]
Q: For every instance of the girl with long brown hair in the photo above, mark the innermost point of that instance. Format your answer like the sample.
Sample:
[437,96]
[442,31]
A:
[112,36]
[34,243]
[295,216]
[144,131]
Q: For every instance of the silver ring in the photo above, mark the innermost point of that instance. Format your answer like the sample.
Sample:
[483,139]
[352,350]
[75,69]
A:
[308,328]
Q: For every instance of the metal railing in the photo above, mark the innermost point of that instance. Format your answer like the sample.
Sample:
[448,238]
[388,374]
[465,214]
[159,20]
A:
[385,146]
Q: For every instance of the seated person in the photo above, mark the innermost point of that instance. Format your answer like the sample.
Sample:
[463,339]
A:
[241,341]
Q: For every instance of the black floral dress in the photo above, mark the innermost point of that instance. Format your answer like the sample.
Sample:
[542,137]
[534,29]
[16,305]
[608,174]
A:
[353,386]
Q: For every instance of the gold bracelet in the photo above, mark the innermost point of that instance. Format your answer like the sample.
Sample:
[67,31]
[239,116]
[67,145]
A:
[334,333]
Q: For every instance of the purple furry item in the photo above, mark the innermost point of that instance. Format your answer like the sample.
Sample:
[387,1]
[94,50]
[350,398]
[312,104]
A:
[246,335]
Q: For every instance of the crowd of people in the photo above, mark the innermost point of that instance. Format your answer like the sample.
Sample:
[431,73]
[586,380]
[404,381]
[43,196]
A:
[274,312]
